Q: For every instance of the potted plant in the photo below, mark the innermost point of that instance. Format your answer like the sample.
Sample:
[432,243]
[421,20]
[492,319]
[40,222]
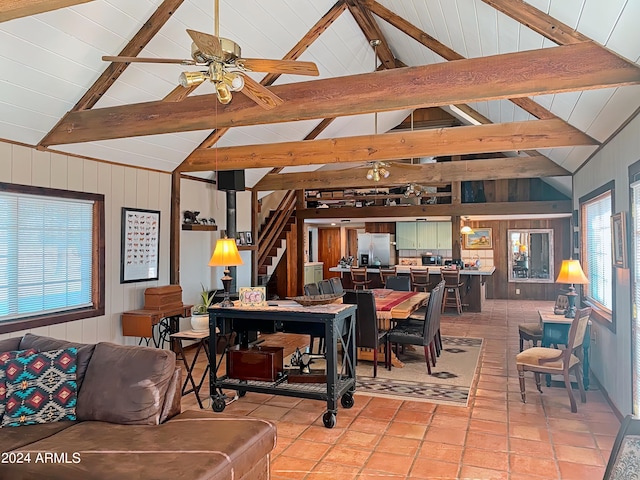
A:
[200,313]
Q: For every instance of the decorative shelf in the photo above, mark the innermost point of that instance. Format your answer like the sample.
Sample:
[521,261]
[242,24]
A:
[247,247]
[198,227]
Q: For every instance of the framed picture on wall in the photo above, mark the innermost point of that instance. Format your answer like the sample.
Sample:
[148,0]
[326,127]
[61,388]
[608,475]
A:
[139,245]
[619,239]
[480,239]
[249,238]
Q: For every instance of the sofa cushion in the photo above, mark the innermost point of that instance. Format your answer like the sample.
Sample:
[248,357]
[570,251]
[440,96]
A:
[12,438]
[4,359]
[41,388]
[126,384]
[9,344]
[43,344]
[195,445]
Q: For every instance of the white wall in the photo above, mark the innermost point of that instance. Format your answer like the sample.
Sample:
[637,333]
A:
[611,354]
[136,188]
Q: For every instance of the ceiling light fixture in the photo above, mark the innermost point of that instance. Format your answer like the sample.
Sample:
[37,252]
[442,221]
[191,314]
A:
[466,229]
[378,172]
[413,189]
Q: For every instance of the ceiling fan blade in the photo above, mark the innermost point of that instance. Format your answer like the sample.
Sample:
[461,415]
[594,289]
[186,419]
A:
[260,94]
[279,66]
[207,43]
[107,58]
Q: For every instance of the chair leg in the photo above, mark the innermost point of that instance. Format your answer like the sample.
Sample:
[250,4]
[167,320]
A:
[375,363]
[426,357]
[523,395]
[439,341]
[538,384]
[567,385]
[458,302]
[432,348]
[578,373]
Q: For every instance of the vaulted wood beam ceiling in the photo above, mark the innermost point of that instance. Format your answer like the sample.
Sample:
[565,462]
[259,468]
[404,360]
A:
[403,173]
[535,72]
[489,208]
[10,9]
[495,137]
[371,31]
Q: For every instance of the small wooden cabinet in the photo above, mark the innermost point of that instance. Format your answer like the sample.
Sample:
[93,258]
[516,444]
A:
[313,273]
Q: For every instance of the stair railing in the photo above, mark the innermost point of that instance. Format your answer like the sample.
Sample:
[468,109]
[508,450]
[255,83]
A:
[270,233]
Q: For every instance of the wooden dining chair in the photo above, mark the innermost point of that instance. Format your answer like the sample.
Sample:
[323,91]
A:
[420,333]
[360,278]
[367,333]
[419,279]
[386,273]
[544,360]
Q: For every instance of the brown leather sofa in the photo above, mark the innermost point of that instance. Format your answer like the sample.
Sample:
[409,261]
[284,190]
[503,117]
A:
[130,427]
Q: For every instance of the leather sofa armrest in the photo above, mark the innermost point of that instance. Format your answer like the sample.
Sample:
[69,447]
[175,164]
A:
[172,401]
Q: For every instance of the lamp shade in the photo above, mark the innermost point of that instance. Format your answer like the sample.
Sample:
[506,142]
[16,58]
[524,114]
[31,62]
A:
[466,230]
[225,254]
[571,272]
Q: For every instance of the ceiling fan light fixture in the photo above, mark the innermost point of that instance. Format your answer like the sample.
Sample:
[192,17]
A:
[223,93]
[384,172]
[370,174]
[234,81]
[190,79]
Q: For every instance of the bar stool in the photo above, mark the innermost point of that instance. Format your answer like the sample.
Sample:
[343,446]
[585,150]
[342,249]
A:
[419,279]
[202,339]
[452,286]
[360,278]
[385,273]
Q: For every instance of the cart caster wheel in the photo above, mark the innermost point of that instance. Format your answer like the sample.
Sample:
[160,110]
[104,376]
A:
[329,419]
[218,405]
[346,400]
[242,393]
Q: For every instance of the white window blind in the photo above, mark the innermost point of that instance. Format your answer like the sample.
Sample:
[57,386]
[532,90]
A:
[635,229]
[597,238]
[45,255]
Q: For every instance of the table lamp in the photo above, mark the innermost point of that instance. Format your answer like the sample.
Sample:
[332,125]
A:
[571,273]
[225,255]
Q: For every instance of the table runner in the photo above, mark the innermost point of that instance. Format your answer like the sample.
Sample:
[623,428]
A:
[387,302]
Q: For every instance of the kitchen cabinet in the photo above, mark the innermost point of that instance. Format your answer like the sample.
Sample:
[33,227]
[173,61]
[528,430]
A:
[423,236]
[313,272]
[406,235]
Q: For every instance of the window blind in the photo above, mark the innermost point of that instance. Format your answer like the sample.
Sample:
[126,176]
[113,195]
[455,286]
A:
[635,330]
[597,233]
[45,255]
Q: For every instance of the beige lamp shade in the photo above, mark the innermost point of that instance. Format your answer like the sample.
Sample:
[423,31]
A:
[225,254]
[571,272]
[466,230]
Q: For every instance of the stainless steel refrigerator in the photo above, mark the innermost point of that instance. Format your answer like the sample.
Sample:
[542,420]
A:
[376,249]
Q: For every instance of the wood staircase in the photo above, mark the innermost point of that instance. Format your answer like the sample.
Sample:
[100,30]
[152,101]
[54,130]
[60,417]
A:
[273,232]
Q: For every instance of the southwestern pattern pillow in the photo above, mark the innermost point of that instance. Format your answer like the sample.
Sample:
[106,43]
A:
[4,359]
[41,388]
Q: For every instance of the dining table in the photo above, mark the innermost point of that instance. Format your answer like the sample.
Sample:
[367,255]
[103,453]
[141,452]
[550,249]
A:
[391,307]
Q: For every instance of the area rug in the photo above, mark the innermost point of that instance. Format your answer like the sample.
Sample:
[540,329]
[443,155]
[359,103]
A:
[450,381]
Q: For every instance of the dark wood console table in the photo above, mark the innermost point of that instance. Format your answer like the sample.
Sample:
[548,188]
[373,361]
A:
[339,325]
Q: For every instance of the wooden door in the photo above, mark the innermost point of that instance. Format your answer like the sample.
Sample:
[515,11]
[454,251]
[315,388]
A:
[352,242]
[329,251]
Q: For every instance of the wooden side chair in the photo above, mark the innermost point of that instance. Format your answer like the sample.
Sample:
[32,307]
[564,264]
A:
[360,278]
[544,360]
[452,285]
[419,279]
[532,332]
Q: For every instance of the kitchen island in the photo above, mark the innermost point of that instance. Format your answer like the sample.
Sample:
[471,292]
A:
[472,292]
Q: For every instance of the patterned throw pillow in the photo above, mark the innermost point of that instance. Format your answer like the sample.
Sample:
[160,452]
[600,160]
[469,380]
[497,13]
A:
[41,388]
[4,359]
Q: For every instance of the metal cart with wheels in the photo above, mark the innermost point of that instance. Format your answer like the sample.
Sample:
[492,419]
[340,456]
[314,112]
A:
[339,326]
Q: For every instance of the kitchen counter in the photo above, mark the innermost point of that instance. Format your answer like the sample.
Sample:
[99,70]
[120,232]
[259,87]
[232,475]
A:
[434,269]
[472,292]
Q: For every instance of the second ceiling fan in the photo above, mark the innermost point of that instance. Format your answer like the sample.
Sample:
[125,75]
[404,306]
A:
[226,69]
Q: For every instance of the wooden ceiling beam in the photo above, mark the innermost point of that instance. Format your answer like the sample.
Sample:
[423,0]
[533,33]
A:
[490,208]
[538,21]
[372,32]
[533,72]
[402,174]
[10,9]
[496,137]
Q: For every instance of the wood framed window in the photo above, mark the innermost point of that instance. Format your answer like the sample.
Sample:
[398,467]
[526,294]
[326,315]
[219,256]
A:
[52,256]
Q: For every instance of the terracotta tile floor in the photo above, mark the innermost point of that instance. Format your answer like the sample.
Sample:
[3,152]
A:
[495,437]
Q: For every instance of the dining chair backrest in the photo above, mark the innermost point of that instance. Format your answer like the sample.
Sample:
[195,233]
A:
[385,273]
[432,313]
[358,273]
[419,278]
[401,283]
[311,289]
[366,317]
[336,283]
[325,287]
[578,328]
[451,277]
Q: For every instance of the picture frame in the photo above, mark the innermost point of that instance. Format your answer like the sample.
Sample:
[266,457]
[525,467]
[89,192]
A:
[619,239]
[140,244]
[242,237]
[249,238]
[480,239]
[252,296]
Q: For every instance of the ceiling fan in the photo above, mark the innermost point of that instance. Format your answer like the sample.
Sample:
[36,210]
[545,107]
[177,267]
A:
[226,69]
